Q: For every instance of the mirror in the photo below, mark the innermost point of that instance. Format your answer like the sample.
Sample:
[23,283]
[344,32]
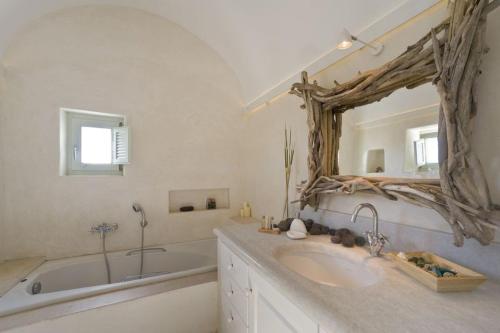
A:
[460,195]
[396,137]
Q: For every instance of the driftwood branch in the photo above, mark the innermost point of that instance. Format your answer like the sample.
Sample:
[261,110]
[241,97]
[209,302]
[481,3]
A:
[449,56]
[492,5]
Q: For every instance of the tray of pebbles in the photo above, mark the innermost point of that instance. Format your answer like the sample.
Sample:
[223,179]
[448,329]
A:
[438,273]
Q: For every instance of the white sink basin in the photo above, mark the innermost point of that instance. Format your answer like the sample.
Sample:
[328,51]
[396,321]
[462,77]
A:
[329,265]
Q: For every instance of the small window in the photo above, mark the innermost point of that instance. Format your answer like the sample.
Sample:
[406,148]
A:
[93,143]
[422,149]
[426,152]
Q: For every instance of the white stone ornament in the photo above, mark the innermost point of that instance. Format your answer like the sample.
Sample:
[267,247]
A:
[297,230]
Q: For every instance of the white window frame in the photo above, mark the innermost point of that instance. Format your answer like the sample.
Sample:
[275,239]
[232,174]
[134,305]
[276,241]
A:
[74,121]
[421,145]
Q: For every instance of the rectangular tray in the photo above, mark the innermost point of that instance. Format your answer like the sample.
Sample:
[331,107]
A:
[269,231]
[467,279]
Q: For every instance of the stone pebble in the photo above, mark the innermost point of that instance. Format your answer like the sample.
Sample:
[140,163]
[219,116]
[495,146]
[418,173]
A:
[285,224]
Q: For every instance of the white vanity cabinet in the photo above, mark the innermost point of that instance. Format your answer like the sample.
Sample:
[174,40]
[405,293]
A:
[234,291]
[271,311]
[249,303]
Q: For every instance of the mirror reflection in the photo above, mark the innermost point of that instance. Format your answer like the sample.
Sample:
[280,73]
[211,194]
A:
[396,137]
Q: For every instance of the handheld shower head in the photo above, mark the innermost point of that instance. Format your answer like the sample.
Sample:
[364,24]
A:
[138,209]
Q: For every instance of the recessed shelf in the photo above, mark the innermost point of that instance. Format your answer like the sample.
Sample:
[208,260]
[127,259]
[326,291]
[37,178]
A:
[198,199]
[375,161]
[198,211]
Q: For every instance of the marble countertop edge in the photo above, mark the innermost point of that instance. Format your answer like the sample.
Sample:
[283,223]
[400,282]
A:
[384,307]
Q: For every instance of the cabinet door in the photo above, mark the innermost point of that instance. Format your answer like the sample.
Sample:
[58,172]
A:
[230,320]
[272,312]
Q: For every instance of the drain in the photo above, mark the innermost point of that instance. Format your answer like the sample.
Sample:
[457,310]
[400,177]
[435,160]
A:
[36,288]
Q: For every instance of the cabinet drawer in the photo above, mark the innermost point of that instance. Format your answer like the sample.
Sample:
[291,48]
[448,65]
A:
[231,265]
[231,321]
[237,296]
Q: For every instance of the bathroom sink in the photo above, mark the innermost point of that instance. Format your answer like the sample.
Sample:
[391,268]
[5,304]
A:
[330,265]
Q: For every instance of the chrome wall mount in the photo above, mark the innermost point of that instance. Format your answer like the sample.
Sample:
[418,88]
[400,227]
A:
[148,250]
[103,229]
[346,39]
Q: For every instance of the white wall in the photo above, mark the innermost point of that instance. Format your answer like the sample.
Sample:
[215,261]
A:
[265,128]
[264,178]
[187,310]
[2,179]
[402,100]
[183,106]
[389,134]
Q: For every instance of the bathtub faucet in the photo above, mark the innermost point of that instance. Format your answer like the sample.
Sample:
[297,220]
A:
[103,229]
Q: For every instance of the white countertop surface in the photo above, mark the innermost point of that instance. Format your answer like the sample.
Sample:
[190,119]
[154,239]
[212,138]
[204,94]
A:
[397,303]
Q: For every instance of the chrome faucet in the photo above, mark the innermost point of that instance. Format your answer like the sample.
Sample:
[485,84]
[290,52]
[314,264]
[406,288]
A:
[103,229]
[376,240]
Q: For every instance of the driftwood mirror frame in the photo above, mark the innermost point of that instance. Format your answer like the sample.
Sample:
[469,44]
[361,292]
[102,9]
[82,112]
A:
[449,56]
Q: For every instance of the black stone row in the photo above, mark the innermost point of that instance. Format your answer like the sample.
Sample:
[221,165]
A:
[342,236]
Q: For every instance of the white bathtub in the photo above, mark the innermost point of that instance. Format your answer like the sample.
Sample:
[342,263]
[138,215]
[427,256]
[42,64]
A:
[67,279]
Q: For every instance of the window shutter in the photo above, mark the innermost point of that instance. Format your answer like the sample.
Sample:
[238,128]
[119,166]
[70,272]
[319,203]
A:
[420,152]
[120,145]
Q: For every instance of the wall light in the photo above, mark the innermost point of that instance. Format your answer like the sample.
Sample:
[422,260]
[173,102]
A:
[346,39]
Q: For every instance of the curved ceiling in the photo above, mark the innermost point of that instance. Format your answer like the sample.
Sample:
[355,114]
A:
[265,41]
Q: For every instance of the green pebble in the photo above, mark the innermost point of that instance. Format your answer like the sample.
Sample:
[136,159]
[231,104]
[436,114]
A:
[413,259]
[437,271]
[446,270]
[421,262]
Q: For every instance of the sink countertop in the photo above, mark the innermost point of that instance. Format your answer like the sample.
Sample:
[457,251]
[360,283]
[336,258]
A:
[397,303]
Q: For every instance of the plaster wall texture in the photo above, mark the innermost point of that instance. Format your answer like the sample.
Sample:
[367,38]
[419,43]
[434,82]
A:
[182,104]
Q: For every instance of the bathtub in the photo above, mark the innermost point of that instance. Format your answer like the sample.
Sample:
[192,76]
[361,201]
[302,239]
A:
[72,278]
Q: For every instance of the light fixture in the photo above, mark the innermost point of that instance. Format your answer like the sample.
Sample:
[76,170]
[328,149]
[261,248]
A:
[346,39]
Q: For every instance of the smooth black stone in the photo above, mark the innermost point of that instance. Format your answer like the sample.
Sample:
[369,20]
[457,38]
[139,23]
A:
[315,229]
[348,240]
[360,241]
[186,209]
[308,223]
[336,239]
[342,232]
[285,224]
